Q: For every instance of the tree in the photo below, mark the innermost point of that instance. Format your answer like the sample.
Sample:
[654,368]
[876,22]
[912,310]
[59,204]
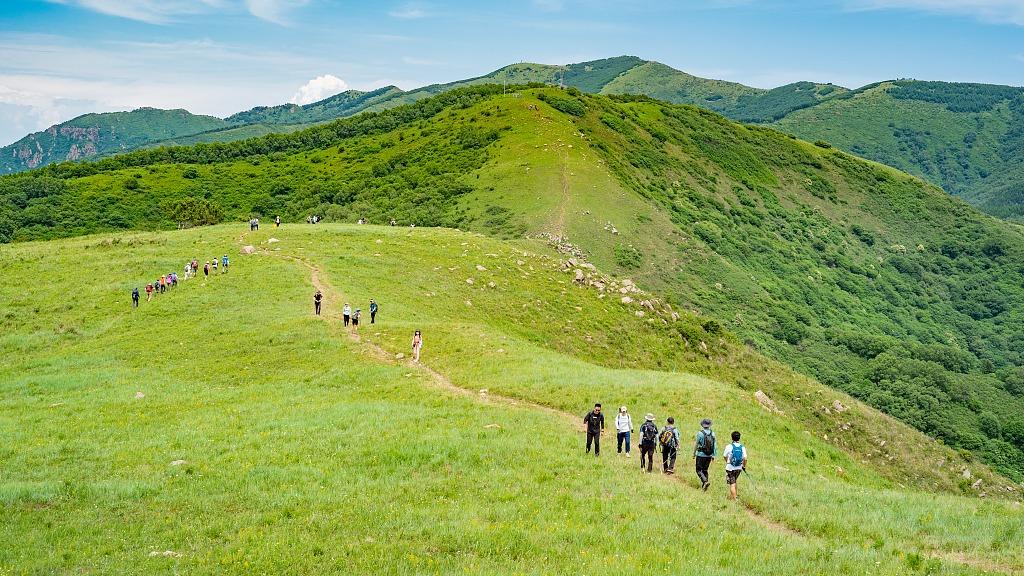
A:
[189,212]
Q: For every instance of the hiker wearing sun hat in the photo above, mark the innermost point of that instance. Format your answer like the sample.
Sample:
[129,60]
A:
[704,452]
[648,441]
[623,429]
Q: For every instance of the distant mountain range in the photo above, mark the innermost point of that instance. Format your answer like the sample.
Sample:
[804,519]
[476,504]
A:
[966,138]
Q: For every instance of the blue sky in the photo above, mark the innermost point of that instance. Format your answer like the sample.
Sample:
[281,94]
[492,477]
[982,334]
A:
[62,58]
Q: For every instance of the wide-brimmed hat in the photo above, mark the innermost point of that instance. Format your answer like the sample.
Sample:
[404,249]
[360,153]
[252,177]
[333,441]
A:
[649,417]
[622,408]
[705,423]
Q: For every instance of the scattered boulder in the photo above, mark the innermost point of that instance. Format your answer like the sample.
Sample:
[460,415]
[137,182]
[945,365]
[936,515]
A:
[492,426]
[481,268]
[766,402]
[639,313]
[579,277]
[248,249]
[399,356]
[177,463]
[272,241]
[838,406]
[977,484]
[492,285]
[966,474]
[627,300]
[469,281]
[166,553]
[703,346]
[139,395]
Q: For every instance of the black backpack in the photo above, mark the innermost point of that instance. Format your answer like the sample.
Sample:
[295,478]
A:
[707,442]
[648,433]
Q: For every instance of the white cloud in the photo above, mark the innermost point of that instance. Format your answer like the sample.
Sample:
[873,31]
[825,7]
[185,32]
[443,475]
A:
[168,11]
[319,88]
[994,11]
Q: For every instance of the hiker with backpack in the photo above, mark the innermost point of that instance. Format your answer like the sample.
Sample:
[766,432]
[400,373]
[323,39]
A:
[704,452]
[373,310]
[648,440]
[669,440]
[135,297]
[623,429]
[595,427]
[735,463]
[317,298]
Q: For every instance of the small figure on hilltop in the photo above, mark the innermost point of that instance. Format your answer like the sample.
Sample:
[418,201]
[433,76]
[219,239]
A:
[648,440]
[355,317]
[595,427]
[735,463]
[346,313]
[704,452]
[417,345]
[149,292]
[669,440]
[317,299]
[394,222]
[277,221]
[224,263]
[135,297]
[373,311]
[623,430]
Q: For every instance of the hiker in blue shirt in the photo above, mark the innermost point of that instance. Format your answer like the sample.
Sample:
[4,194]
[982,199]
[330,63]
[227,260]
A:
[224,262]
[704,452]
[735,463]
[373,310]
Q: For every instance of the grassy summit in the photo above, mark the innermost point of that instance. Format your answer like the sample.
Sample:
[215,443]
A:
[268,440]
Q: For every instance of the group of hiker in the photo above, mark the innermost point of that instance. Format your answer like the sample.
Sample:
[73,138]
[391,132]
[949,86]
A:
[313,219]
[669,439]
[351,318]
[170,280]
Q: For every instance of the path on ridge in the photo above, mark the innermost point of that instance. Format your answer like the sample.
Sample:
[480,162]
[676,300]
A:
[443,382]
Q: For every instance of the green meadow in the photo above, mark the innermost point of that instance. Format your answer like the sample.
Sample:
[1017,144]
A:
[222,428]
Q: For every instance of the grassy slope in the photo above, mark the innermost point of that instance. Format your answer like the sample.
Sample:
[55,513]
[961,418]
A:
[304,453]
[93,135]
[965,152]
[809,254]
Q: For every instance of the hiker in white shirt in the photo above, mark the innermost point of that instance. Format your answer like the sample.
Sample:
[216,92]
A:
[623,428]
[735,463]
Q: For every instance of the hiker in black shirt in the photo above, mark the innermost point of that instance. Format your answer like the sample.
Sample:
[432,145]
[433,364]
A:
[595,427]
[316,301]
[648,441]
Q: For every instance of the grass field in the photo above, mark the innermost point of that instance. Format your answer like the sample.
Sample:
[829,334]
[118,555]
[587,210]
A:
[306,450]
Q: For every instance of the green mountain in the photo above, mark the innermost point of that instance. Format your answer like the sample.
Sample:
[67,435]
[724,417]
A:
[865,278]
[966,138]
[93,135]
[337,106]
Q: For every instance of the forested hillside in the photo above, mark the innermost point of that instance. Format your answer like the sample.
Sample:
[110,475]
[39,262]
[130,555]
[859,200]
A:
[866,278]
[93,135]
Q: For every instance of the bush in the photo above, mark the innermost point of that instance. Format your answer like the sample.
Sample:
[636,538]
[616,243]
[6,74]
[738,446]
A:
[628,257]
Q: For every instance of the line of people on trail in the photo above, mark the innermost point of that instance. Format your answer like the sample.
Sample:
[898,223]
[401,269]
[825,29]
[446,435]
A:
[351,318]
[170,280]
[669,438]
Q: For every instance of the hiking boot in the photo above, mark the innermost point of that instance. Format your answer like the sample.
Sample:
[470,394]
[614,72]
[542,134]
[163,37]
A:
[704,487]
[628,455]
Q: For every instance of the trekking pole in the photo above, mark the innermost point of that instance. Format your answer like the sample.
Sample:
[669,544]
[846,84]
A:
[747,474]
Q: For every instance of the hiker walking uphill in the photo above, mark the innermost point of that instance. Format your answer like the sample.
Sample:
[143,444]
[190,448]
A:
[224,263]
[317,298]
[417,345]
[373,310]
[648,440]
[135,297]
[704,452]
[669,440]
[346,313]
[735,463]
[623,429]
[595,427]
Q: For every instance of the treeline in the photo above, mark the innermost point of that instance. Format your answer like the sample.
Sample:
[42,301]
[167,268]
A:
[956,97]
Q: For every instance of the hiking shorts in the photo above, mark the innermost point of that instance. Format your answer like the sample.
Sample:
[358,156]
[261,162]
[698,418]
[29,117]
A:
[731,476]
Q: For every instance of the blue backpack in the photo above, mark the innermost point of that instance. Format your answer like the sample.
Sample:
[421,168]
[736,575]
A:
[736,455]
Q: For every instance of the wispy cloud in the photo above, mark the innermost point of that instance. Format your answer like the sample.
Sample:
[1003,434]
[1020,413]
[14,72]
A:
[993,11]
[170,11]
[410,11]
